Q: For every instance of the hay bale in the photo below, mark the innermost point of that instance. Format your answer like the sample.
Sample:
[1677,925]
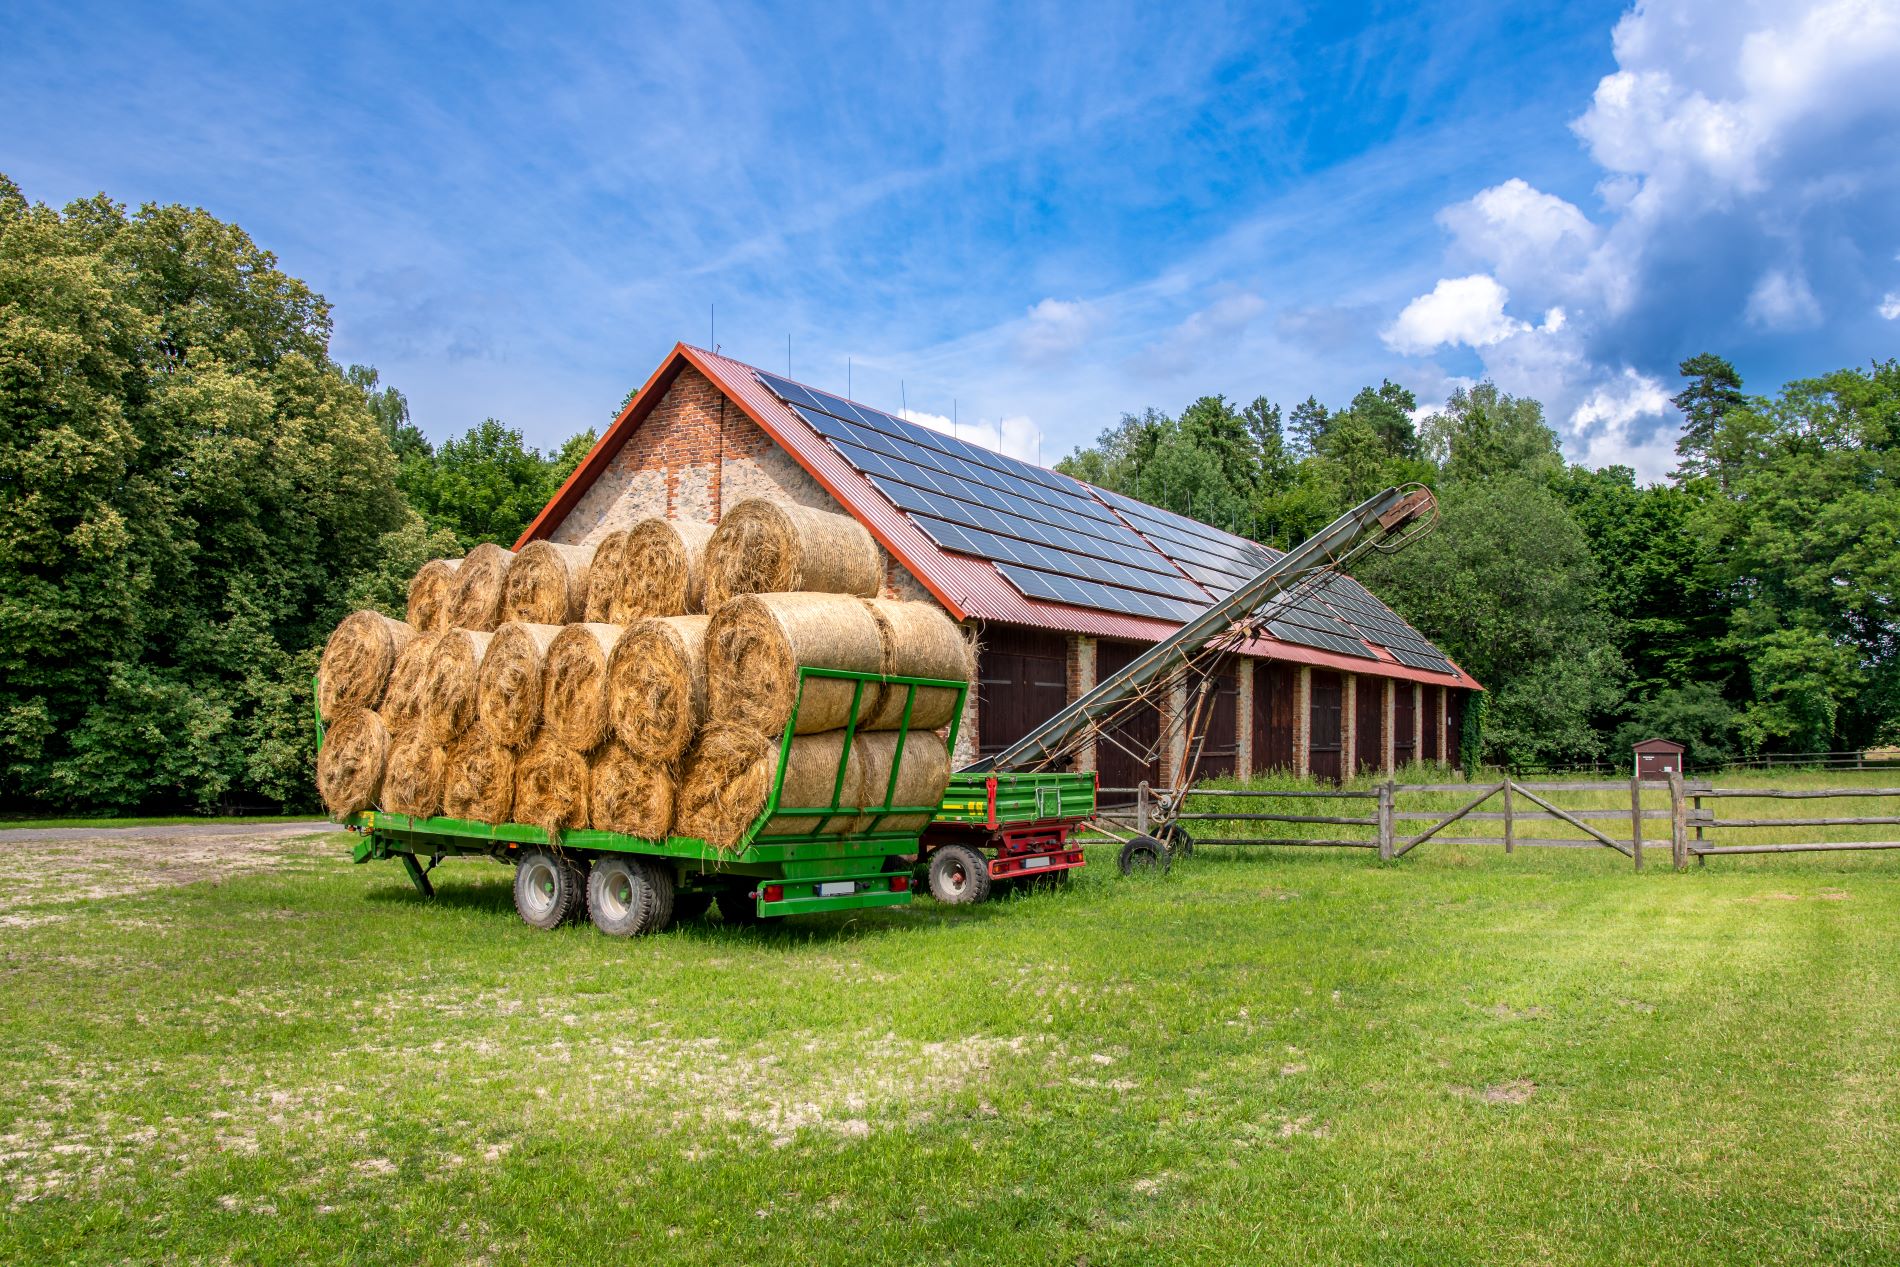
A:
[629,794]
[603,578]
[656,685]
[662,570]
[551,787]
[920,640]
[508,685]
[448,692]
[574,685]
[412,784]
[756,643]
[479,780]
[923,775]
[408,686]
[357,661]
[350,766]
[728,776]
[479,585]
[432,594]
[547,584]
[762,547]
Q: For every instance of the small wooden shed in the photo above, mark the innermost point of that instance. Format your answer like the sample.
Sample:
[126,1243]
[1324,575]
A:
[1658,758]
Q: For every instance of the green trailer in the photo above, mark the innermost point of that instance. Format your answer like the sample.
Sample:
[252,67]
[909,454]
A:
[628,885]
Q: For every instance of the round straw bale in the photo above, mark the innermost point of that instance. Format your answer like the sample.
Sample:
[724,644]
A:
[574,685]
[412,784]
[479,585]
[408,685]
[920,640]
[479,783]
[756,643]
[448,691]
[508,685]
[432,594]
[923,775]
[656,685]
[357,660]
[350,766]
[662,571]
[551,787]
[547,583]
[762,547]
[629,795]
[603,577]
[727,780]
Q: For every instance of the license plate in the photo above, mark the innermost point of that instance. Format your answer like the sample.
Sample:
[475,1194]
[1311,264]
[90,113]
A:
[837,888]
[1030,864]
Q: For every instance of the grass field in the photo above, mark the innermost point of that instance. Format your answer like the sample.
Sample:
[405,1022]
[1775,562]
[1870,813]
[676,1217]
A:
[1296,1056]
[176,820]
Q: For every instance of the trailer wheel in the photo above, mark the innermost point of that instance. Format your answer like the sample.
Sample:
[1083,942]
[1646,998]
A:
[1146,856]
[690,906]
[630,896]
[959,876]
[736,905]
[1176,838]
[549,889]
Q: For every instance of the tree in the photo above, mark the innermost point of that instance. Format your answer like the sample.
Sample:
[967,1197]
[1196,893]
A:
[485,485]
[1308,424]
[1482,434]
[1714,390]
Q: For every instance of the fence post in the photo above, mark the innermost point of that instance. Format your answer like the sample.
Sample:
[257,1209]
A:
[1510,823]
[1636,820]
[1701,860]
[1387,793]
[1678,822]
[1141,808]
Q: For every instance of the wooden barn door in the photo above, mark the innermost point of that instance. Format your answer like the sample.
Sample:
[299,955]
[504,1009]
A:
[1220,715]
[1275,687]
[1368,724]
[1404,712]
[1322,752]
[1434,728]
[1022,681]
[1455,729]
[1139,732]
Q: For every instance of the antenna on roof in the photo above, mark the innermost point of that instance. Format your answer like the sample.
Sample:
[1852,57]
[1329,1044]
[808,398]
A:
[903,395]
[953,417]
[712,325]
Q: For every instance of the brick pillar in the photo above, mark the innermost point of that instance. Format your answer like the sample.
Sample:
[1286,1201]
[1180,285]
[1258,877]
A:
[1444,728]
[1243,716]
[966,730]
[1081,681]
[1418,720]
[1349,726]
[1303,723]
[1174,718]
[1388,760]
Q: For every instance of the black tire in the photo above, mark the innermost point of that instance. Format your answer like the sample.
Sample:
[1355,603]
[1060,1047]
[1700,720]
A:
[736,906]
[690,906]
[1176,838]
[1145,855]
[630,897]
[959,876]
[549,889]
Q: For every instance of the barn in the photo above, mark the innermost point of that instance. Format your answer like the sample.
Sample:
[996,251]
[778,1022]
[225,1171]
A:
[1061,581]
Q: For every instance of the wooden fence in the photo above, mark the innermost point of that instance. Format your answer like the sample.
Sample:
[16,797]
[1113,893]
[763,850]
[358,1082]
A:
[1393,829]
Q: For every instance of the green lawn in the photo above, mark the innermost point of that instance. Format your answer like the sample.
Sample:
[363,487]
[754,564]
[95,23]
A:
[1296,1056]
[176,820]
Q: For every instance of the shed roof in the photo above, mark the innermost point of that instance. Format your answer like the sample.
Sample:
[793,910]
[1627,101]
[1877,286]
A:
[996,539]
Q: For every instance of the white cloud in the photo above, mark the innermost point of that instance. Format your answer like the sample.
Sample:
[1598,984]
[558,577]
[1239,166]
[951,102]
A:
[1459,310]
[1890,305]
[1526,238]
[1782,300]
[1016,435]
[1220,324]
[1605,425]
[1055,330]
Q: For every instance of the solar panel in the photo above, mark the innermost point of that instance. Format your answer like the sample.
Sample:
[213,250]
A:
[1056,538]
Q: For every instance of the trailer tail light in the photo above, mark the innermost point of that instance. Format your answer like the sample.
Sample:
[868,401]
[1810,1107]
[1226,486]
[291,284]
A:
[900,884]
[772,893]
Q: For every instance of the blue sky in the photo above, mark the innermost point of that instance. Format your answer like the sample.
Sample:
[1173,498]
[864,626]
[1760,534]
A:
[1048,215]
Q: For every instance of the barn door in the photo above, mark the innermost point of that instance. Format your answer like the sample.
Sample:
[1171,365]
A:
[1368,724]
[1275,688]
[1322,753]
[1119,753]
[1404,713]
[1434,727]
[1022,681]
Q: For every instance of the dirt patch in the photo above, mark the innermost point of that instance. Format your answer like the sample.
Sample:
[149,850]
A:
[1516,1091]
[59,866]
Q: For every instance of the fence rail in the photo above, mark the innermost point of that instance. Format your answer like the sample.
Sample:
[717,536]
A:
[1160,811]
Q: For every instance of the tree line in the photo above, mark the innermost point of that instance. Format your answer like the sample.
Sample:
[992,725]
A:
[1745,605]
[193,493]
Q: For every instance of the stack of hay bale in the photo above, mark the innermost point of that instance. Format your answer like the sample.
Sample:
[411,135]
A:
[644,684]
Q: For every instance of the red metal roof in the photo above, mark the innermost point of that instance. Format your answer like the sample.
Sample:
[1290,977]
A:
[970,588]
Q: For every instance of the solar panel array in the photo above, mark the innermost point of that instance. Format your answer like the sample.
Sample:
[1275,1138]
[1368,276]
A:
[1053,537]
